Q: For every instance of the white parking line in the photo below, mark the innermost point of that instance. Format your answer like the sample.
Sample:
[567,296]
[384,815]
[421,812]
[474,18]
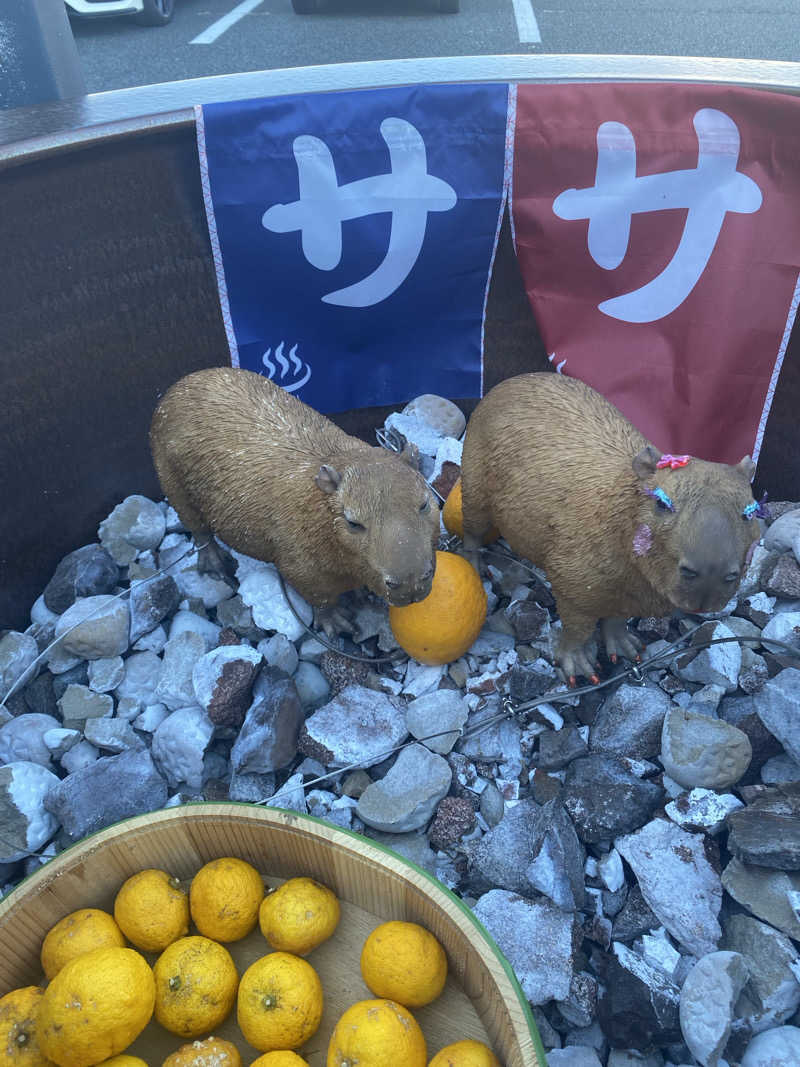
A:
[527,26]
[216,29]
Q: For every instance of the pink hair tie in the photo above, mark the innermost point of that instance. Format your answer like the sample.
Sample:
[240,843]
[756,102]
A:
[672,461]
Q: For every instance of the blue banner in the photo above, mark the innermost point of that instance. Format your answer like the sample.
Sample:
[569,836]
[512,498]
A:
[353,236]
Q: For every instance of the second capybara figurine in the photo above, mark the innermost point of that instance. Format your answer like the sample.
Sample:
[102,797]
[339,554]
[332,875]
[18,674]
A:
[241,458]
[619,529]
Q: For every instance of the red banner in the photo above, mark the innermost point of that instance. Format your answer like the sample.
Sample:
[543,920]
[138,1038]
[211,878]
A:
[658,232]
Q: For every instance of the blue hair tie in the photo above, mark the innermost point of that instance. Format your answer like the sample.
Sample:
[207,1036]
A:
[661,499]
[757,509]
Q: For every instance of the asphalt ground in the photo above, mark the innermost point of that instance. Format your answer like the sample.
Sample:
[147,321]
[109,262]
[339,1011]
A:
[227,36]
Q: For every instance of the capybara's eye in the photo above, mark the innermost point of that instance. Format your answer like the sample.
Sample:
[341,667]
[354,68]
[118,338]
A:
[688,573]
[357,526]
[732,577]
[425,505]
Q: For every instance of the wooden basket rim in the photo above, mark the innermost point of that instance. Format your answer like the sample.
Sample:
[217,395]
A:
[292,820]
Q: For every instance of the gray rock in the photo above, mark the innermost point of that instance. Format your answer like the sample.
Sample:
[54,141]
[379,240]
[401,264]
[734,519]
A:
[491,643]
[780,769]
[629,722]
[436,712]
[95,627]
[324,805]
[312,651]
[782,532]
[261,591]
[358,726]
[312,685]
[290,796]
[234,614]
[634,918]
[412,846]
[717,665]
[741,711]
[17,654]
[537,939]
[530,620]
[759,609]
[759,565]
[25,824]
[135,524]
[152,642]
[765,893]
[179,745]
[106,674]
[677,881]
[697,751]
[558,748]
[22,739]
[604,799]
[580,1007]
[108,790]
[702,809]
[252,788]
[441,415]
[773,986]
[151,601]
[638,1006]
[502,856]
[784,627]
[767,832]
[223,681]
[267,740]
[79,703]
[778,707]
[556,869]
[40,695]
[708,996]
[406,797]
[79,756]
[573,1056]
[631,1058]
[492,805]
[88,571]
[195,585]
[175,686]
[528,681]
[494,743]
[278,651]
[190,622]
[774,1048]
[111,735]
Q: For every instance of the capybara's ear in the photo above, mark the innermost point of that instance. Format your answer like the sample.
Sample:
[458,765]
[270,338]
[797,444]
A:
[327,479]
[747,467]
[644,462]
[410,455]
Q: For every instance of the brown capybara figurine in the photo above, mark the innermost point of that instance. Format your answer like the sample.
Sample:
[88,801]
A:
[620,530]
[241,458]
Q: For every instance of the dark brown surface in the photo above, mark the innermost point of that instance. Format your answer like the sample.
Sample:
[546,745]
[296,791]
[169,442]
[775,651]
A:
[108,296]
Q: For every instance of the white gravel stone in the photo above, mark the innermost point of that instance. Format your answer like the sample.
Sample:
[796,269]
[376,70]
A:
[708,996]
[784,627]
[175,686]
[25,824]
[782,532]
[80,756]
[41,614]
[778,707]
[536,938]
[95,627]
[610,870]
[358,726]
[573,1056]
[443,415]
[22,739]
[60,741]
[111,735]
[312,650]
[261,591]
[702,809]
[698,751]
[196,586]
[179,744]
[311,684]
[774,1048]
[416,430]
[718,665]
[449,451]
[17,654]
[184,621]
[677,882]
[151,718]
[278,651]
[443,709]
[421,679]
[140,678]
[135,524]
[658,951]
[406,797]
[152,642]
[106,674]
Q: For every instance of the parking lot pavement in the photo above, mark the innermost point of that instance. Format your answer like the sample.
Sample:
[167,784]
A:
[225,36]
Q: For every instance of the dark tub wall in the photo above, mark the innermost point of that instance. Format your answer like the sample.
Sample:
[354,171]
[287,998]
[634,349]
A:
[108,296]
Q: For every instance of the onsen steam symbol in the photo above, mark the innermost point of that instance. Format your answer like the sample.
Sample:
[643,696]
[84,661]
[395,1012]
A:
[300,374]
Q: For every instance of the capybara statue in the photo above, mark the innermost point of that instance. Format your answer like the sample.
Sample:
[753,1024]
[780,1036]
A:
[619,529]
[241,458]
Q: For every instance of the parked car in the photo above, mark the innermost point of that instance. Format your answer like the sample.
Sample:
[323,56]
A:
[147,12]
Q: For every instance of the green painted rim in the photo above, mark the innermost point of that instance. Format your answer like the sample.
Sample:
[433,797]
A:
[303,816]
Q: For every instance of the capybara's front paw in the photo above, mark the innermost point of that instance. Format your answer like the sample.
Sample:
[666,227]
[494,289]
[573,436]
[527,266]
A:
[619,641]
[577,661]
[333,620]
